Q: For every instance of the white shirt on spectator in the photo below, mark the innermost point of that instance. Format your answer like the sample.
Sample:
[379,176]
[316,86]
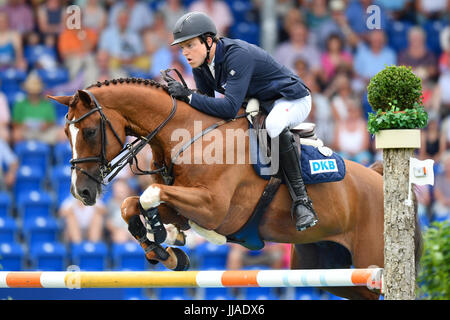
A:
[82,213]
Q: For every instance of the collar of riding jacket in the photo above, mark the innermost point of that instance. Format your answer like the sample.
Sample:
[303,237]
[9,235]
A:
[219,54]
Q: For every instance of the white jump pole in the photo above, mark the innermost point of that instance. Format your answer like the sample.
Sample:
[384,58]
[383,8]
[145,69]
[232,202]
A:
[371,278]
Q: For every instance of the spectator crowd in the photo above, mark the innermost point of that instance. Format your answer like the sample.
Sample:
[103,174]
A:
[326,42]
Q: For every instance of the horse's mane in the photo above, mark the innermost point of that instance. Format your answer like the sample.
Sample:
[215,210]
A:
[146,82]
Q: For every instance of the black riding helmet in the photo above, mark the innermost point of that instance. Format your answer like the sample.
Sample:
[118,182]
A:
[194,24]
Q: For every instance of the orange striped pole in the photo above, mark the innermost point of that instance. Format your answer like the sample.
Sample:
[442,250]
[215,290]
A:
[371,278]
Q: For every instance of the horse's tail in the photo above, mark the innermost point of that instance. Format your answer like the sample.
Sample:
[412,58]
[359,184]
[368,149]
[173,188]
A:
[377,166]
[418,241]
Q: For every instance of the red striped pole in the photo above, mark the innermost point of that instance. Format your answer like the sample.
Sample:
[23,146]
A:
[371,278]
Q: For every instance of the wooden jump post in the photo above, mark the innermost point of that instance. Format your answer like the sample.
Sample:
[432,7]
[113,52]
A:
[399,217]
[395,94]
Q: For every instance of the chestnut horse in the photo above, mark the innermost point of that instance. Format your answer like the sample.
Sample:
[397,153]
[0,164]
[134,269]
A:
[218,199]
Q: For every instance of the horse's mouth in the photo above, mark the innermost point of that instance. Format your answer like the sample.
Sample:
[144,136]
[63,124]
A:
[88,202]
[91,199]
[87,197]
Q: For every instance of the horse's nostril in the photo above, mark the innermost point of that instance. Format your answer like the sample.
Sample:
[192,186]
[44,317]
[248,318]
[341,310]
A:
[86,194]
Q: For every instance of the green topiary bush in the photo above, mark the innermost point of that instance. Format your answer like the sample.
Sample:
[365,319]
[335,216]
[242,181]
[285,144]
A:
[394,85]
[395,94]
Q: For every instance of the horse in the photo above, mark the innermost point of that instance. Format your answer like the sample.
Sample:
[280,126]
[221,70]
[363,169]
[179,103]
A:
[216,199]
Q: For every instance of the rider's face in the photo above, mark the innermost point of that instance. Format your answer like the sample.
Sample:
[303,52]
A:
[194,51]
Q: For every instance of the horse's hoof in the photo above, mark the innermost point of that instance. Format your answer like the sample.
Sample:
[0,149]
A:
[154,252]
[183,262]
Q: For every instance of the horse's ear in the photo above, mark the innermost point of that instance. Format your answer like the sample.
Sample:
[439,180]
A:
[61,99]
[84,97]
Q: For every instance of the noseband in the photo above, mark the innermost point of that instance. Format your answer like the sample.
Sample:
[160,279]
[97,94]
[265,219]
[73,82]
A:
[130,149]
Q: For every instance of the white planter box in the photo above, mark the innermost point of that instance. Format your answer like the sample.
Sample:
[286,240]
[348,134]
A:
[397,138]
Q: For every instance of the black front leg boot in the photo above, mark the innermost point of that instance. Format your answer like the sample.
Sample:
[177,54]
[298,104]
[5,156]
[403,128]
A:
[153,224]
[302,208]
[137,229]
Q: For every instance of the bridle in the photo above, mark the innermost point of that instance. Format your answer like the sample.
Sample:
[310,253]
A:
[130,150]
[110,168]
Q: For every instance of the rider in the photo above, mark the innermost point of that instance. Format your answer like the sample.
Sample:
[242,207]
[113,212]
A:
[239,70]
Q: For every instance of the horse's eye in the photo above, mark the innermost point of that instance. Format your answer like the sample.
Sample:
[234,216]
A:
[89,133]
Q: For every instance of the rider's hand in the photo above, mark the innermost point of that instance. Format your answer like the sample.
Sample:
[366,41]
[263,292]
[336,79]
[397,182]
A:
[178,91]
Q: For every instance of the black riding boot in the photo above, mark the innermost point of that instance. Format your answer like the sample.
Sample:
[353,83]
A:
[302,208]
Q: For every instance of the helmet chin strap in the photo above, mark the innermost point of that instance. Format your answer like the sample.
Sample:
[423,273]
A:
[208,49]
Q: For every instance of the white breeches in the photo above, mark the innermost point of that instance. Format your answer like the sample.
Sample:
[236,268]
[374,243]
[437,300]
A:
[287,113]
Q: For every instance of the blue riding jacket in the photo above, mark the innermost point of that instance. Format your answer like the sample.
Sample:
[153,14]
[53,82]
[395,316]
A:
[243,70]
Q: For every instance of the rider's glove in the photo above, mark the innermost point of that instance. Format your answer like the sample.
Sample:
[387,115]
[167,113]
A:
[178,91]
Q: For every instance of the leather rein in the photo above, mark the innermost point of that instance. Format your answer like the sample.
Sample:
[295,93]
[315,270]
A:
[109,169]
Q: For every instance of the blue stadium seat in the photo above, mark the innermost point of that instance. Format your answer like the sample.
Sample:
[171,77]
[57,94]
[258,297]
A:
[61,111]
[155,5]
[5,204]
[54,77]
[187,3]
[139,74]
[48,256]
[397,33]
[239,9]
[11,79]
[134,294]
[14,96]
[441,217]
[333,297]
[173,294]
[247,31]
[432,29]
[106,193]
[12,257]
[90,256]
[128,256]
[259,293]
[28,179]
[10,84]
[41,229]
[8,230]
[61,180]
[35,204]
[34,53]
[424,221]
[211,256]
[367,108]
[217,294]
[306,293]
[62,153]
[34,153]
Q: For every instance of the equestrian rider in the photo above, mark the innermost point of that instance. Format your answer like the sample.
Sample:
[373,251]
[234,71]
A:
[240,70]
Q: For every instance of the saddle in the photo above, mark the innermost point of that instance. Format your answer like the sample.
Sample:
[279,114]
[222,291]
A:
[304,133]
[330,166]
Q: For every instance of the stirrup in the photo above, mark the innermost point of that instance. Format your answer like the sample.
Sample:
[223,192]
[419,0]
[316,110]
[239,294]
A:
[304,201]
[307,203]
[312,224]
